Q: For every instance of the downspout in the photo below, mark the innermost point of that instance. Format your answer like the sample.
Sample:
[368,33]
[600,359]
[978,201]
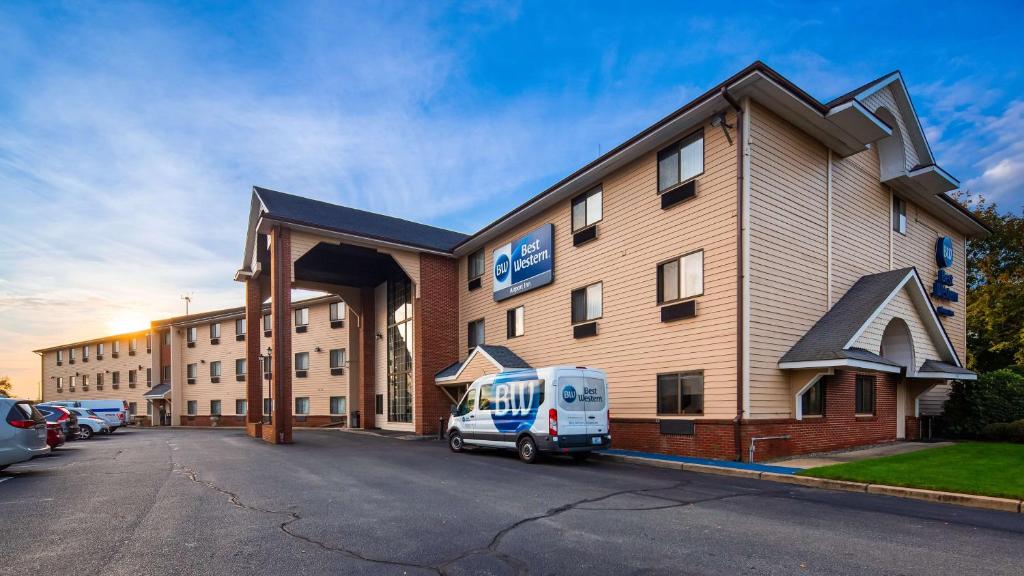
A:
[738,420]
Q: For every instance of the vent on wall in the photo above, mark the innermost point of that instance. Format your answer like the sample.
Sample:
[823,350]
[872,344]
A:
[337,323]
[239,337]
[679,311]
[584,330]
[214,341]
[474,284]
[301,329]
[584,236]
[679,194]
[300,373]
[337,371]
[677,427]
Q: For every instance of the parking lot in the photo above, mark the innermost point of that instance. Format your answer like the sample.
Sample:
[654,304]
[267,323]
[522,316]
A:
[183,501]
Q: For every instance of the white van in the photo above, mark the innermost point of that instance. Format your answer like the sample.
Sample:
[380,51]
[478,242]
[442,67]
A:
[115,412]
[561,409]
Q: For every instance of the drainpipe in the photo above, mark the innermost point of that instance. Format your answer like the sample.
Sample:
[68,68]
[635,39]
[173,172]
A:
[738,420]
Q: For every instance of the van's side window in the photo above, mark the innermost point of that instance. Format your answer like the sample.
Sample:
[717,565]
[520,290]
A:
[486,397]
[467,404]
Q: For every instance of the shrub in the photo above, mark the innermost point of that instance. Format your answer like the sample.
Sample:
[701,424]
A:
[996,397]
[1005,431]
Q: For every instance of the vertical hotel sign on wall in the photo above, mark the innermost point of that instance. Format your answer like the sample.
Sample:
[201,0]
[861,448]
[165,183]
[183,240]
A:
[941,288]
[524,264]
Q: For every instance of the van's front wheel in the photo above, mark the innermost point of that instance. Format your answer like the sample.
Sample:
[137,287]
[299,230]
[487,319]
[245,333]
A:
[527,450]
[455,441]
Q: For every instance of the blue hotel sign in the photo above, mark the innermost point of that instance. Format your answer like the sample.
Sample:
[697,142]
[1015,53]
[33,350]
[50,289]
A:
[941,288]
[524,264]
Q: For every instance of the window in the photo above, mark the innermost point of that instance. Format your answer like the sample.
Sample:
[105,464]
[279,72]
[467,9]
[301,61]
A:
[339,405]
[60,356]
[72,381]
[133,345]
[191,372]
[337,358]
[337,311]
[486,397]
[133,377]
[302,405]
[190,334]
[133,408]
[812,402]
[241,407]
[266,365]
[515,322]
[193,407]
[60,382]
[865,394]
[240,327]
[268,405]
[399,350]
[99,381]
[149,407]
[681,278]
[149,377]
[115,347]
[475,333]
[214,407]
[681,393]
[85,352]
[302,360]
[115,378]
[215,330]
[899,215]
[467,404]
[165,374]
[681,161]
[266,323]
[167,338]
[215,369]
[99,349]
[302,317]
[378,404]
[149,342]
[586,303]
[85,381]
[476,264]
[239,366]
[586,209]
[71,354]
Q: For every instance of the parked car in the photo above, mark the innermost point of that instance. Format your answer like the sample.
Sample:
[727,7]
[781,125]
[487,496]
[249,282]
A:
[90,423]
[67,419]
[54,435]
[22,432]
[560,409]
[115,412]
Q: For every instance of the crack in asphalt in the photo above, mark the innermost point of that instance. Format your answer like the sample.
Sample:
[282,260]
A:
[491,549]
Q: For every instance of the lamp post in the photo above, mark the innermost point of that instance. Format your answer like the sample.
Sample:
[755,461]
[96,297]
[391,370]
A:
[267,369]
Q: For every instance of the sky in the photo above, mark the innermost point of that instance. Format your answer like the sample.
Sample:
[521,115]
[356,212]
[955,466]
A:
[131,134]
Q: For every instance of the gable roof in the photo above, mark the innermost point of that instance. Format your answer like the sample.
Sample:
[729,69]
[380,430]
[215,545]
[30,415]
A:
[324,215]
[937,369]
[830,342]
[158,392]
[503,358]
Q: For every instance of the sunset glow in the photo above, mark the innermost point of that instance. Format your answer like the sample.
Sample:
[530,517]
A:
[131,322]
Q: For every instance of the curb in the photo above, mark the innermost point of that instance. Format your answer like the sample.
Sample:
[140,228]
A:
[955,498]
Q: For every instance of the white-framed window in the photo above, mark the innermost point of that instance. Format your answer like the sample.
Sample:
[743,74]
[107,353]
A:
[587,303]
[240,327]
[337,311]
[214,407]
[587,209]
[115,377]
[302,405]
[475,333]
[268,406]
[133,377]
[71,353]
[338,358]
[85,380]
[167,337]
[191,333]
[60,382]
[681,278]
[60,355]
[133,345]
[215,330]
[192,371]
[149,407]
[681,161]
[239,366]
[267,325]
[515,320]
[302,360]
[72,382]
[476,264]
[215,369]
[165,374]
[133,408]
[99,380]
[302,316]
[115,347]
[339,405]
[192,407]
[241,406]
[100,348]
[149,377]
[899,215]
[85,352]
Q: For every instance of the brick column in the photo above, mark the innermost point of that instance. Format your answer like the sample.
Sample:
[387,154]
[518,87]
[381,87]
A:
[279,431]
[253,367]
[436,338]
[367,342]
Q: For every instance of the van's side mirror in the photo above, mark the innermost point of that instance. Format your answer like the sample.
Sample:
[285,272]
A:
[454,409]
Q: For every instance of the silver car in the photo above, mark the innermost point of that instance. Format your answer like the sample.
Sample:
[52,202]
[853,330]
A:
[22,432]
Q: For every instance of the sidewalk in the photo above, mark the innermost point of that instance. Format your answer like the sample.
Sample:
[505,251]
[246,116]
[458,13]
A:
[857,454]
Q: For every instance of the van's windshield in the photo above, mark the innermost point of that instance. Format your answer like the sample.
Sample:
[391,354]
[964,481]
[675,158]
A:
[580,394]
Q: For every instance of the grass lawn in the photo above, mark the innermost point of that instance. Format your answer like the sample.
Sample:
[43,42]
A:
[986,468]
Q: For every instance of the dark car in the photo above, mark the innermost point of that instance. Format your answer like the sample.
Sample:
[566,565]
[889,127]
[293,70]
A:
[67,419]
[54,435]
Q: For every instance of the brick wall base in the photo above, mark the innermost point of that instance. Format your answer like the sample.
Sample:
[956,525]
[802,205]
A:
[311,421]
[839,428]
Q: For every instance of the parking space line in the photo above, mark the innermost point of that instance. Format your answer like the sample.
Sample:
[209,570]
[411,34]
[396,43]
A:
[5,479]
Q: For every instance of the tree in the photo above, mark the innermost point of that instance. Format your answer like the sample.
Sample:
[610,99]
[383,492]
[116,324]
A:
[995,289]
[6,386]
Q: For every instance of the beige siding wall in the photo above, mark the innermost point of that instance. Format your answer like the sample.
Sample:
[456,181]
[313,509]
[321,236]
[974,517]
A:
[635,234]
[903,307]
[788,252]
[885,98]
[107,366]
[203,355]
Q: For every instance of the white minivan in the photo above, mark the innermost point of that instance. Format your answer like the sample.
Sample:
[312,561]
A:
[560,409]
[115,412]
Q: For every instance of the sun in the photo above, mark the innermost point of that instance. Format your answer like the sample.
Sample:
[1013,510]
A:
[131,322]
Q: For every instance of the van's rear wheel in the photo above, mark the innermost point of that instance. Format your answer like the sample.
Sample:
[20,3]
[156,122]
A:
[527,450]
[580,456]
[455,441]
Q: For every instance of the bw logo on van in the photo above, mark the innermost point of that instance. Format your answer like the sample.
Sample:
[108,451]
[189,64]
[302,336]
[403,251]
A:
[569,393]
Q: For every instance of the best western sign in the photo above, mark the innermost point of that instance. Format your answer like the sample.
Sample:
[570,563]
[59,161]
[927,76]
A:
[524,264]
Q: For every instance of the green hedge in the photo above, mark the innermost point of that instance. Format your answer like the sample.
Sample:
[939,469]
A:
[994,398]
[1005,431]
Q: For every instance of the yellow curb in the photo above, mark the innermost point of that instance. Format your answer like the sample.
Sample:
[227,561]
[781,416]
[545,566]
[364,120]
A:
[825,483]
[987,502]
[721,470]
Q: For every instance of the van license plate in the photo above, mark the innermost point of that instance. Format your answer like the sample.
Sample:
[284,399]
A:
[595,440]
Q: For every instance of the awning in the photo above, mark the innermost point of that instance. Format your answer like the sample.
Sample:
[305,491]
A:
[934,369]
[158,392]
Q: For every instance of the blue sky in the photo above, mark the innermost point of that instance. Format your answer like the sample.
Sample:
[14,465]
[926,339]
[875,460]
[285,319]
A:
[130,134]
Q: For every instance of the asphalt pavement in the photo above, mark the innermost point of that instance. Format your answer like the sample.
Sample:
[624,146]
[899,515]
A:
[201,501]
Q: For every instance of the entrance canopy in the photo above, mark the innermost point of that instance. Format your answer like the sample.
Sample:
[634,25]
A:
[484,359]
[159,392]
[886,323]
